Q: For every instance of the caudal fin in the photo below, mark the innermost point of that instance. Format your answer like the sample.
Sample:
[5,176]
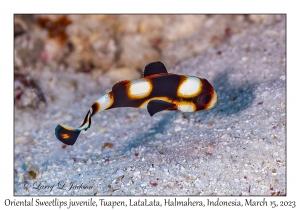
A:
[69,135]
[66,135]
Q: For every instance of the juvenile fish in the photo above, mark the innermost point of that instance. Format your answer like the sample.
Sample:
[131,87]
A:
[158,90]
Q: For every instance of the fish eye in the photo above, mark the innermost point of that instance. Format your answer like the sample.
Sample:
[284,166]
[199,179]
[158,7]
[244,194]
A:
[204,98]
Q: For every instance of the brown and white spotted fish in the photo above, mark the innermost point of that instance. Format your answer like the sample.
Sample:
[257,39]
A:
[158,90]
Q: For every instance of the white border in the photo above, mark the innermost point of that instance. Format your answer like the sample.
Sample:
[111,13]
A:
[154,6]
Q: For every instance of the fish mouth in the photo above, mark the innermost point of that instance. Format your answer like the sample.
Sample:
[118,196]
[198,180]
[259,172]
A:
[213,101]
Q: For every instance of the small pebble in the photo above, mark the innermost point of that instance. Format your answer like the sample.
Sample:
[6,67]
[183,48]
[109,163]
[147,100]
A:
[177,129]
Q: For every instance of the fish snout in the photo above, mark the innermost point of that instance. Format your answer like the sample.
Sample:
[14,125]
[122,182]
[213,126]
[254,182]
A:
[213,101]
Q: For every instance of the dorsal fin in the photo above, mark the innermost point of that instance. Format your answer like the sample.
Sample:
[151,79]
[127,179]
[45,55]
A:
[121,84]
[154,68]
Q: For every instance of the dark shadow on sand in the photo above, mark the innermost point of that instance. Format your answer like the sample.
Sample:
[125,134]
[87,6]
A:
[233,98]
[159,127]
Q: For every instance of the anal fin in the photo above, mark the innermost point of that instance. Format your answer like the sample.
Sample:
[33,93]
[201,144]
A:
[155,106]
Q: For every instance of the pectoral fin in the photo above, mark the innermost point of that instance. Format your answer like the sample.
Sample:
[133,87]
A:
[155,106]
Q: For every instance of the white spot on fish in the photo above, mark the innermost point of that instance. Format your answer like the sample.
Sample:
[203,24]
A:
[139,88]
[190,87]
[105,102]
